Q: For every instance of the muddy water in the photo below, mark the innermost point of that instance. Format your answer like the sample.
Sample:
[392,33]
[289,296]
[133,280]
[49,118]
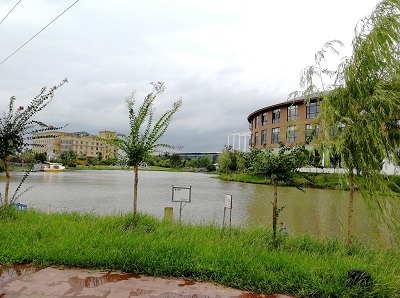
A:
[317,212]
[10,272]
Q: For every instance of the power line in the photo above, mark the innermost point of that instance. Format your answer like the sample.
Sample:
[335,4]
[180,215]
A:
[9,12]
[38,32]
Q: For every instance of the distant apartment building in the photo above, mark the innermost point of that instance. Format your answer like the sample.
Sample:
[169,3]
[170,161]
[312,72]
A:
[53,143]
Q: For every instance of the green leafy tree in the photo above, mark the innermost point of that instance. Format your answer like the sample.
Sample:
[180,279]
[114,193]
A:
[40,157]
[17,127]
[227,160]
[242,161]
[175,160]
[68,156]
[144,132]
[278,166]
[26,157]
[191,163]
[204,161]
[362,106]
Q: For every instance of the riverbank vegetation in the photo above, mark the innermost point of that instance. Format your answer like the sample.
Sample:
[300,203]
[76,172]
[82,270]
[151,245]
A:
[243,258]
[310,180]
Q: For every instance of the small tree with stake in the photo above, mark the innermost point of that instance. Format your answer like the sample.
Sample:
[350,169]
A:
[144,133]
[278,166]
[17,128]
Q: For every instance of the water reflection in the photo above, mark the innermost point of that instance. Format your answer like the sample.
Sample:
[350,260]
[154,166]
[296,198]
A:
[10,272]
[316,212]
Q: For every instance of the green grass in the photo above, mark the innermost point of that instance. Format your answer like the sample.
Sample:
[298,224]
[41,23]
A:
[311,180]
[242,258]
[314,180]
[243,177]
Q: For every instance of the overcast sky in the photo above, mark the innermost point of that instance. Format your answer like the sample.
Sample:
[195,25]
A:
[225,58]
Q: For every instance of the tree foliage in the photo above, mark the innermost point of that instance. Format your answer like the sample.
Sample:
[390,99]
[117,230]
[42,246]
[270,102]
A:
[175,160]
[231,160]
[40,157]
[144,131]
[362,104]
[17,127]
[278,166]
[67,157]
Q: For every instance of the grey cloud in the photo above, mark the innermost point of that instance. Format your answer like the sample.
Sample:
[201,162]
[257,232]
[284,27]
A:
[224,58]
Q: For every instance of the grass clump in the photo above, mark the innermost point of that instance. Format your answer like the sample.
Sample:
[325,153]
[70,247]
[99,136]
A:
[242,258]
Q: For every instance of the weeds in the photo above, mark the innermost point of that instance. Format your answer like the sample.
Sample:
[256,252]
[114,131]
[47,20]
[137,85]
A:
[237,257]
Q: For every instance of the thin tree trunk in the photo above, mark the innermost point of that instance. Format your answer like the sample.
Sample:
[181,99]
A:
[135,190]
[8,178]
[275,209]
[350,227]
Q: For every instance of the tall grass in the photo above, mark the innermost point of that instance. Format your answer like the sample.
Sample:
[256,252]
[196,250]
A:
[242,258]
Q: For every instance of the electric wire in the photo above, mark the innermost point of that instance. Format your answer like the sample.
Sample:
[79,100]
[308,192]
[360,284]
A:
[10,12]
[38,33]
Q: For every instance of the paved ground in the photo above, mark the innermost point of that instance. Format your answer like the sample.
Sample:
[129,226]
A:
[26,281]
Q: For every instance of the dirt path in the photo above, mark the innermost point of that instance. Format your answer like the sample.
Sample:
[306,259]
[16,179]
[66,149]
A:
[26,281]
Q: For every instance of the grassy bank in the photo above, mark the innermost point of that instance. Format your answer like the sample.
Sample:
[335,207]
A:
[240,258]
[323,180]
[314,180]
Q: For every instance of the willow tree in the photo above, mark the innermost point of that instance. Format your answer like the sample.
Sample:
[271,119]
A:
[360,108]
[144,132]
[17,127]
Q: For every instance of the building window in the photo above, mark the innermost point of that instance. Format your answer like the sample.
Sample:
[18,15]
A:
[310,129]
[335,131]
[291,134]
[276,115]
[250,125]
[255,138]
[256,124]
[291,113]
[275,135]
[312,110]
[264,137]
[264,119]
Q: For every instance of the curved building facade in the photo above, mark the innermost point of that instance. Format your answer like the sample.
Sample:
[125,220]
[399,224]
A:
[289,122]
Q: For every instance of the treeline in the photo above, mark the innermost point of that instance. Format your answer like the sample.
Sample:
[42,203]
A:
[168,160]
[71,159]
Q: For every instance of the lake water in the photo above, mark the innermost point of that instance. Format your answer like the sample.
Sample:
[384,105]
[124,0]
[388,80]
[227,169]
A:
[317,212]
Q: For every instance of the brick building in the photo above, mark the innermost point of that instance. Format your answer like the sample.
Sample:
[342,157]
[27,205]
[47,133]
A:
[289,122]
